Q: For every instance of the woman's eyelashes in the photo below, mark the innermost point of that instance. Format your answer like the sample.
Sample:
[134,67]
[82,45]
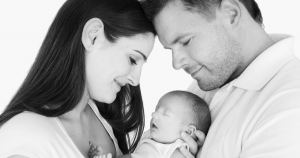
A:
[132,61]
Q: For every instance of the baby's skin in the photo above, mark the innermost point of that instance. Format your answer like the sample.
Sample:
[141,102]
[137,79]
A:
[97,152]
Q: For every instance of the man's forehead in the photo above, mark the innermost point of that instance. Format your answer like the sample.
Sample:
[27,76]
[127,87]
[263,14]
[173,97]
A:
[164,24]
[170,21]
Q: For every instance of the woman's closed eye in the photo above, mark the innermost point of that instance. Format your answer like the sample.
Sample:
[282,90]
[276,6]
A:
[132,61]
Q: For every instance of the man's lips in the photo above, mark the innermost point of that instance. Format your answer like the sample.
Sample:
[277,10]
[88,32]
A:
[195,72]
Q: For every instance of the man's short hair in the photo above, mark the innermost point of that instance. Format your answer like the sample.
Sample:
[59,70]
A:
[205,7]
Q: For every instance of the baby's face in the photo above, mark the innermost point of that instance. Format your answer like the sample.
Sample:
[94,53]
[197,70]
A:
[167,120]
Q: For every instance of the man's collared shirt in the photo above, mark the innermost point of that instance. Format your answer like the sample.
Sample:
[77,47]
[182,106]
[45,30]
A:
[258,113]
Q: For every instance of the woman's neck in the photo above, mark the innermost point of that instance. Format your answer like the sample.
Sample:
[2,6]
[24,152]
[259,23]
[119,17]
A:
[79,110]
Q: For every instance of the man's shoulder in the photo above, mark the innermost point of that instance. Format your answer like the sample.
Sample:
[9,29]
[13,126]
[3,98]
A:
[287,78]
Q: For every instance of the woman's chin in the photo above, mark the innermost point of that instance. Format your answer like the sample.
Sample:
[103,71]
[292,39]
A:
[110,100]
[107,99]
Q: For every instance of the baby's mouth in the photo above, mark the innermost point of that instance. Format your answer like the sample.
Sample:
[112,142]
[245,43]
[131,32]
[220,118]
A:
[153,125]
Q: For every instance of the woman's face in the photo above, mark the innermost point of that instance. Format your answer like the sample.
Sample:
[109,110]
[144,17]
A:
[112,65]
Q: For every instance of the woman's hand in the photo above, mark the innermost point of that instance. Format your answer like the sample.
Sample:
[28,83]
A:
[194,145]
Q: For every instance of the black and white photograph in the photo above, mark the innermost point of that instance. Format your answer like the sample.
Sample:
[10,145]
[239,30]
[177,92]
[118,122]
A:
[149,79]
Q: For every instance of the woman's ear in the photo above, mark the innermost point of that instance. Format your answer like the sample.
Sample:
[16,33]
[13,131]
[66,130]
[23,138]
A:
[93,31]
[191,131]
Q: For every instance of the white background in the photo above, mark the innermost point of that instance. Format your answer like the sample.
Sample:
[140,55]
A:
[24,23]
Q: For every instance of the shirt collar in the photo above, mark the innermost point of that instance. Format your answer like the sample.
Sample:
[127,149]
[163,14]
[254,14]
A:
[267,64]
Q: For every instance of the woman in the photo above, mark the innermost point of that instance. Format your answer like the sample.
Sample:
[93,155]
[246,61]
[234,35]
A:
[83,88]
[90,60]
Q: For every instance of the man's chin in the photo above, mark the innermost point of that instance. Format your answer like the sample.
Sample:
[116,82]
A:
[207,86]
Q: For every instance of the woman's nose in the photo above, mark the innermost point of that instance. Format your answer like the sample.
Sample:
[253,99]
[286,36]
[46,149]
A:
[134,76]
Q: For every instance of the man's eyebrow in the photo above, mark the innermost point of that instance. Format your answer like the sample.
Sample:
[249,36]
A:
[176,40]
[145,58]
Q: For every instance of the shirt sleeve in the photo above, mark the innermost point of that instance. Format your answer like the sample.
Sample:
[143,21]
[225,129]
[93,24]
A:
[277,131]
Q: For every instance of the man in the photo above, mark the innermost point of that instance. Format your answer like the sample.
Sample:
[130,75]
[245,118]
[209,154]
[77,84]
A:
[250,79]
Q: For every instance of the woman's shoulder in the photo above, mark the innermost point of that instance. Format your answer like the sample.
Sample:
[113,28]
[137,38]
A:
[33,135]
[28,124]
[28,116]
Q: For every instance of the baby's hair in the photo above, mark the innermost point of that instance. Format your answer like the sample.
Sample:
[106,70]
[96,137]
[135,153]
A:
[199,113]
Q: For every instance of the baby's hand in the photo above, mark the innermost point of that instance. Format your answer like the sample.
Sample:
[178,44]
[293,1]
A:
[103,156]
[95,151]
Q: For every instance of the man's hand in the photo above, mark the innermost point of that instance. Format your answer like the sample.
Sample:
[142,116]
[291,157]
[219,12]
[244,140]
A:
[194,145]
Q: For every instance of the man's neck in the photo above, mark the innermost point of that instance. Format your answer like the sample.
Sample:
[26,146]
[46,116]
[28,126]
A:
[255,42]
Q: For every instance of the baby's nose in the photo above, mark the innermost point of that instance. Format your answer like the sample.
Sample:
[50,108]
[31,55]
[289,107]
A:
[154,115]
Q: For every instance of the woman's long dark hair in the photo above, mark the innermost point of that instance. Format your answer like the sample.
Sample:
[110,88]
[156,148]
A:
[57,77]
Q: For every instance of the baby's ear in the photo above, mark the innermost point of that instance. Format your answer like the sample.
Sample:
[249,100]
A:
[191,131]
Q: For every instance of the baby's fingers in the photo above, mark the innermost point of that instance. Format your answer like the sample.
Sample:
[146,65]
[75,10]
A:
[99,150]
[109,155]
[104,156]
[186,153]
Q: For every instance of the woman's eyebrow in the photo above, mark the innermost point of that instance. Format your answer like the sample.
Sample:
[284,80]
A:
[145,58]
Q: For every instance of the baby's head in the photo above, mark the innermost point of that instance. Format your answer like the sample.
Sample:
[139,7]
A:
[179,111]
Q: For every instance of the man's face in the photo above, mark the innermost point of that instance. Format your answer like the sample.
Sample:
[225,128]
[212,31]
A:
[205,49]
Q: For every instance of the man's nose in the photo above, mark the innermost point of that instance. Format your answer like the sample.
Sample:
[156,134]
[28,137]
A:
[178,59]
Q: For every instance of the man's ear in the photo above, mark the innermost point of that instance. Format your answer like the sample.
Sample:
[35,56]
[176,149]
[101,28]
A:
[230,12]
[93,32]
[191,131]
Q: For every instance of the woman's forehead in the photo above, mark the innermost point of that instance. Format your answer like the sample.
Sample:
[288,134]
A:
[143,43]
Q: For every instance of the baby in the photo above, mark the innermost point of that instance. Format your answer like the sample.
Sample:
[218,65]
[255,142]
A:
[175,112]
